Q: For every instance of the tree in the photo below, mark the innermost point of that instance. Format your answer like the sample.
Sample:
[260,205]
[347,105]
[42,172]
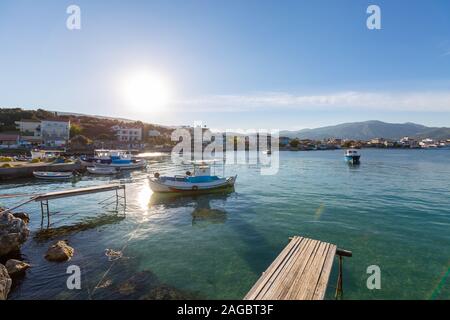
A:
[294,143]
[80,140]
[75,130]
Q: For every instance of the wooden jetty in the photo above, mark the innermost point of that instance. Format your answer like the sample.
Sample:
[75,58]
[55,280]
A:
[300,272]
[45,197]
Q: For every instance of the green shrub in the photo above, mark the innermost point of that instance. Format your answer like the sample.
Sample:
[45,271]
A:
[6,159]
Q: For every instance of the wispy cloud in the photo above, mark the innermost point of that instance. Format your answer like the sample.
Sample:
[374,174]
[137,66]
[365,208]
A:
[386,101]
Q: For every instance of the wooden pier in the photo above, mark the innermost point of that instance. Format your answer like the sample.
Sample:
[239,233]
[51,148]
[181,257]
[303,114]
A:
[44,198]
[300,272]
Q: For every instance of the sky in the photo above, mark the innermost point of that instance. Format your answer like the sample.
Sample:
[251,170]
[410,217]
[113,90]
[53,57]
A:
[247,64]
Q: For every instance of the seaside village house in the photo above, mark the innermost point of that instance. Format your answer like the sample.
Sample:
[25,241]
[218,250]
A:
[48,133]
[9,141]
[128,135]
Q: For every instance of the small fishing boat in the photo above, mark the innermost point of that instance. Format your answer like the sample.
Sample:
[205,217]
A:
[200,182]
[53,175]
[352,156]
[116,159]
[102,170]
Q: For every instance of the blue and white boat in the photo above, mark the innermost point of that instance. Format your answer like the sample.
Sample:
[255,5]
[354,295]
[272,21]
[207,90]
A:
[352,156]
[117,159]
[200,182]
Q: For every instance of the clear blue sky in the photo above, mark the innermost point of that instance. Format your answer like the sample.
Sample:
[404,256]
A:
[232,64]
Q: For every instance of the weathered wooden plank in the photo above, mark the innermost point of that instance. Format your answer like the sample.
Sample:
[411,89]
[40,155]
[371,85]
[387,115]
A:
[272,271]
[321,288]
[302,279]
[311,277]
[77,192]
[300,272]
[300,264]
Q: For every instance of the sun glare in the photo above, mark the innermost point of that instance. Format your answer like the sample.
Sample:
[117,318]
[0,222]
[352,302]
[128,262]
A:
[146,92]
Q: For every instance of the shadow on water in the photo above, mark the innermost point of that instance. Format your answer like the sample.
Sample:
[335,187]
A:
[203,212]
[91,223]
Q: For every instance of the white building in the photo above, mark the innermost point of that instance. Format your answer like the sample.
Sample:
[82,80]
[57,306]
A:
[55,133]
[154,133]
[30,128]
[126,134]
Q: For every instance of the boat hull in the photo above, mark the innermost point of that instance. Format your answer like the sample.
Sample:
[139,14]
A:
[101,171]
[124,166]
[353,159]
[159,186]
[53,175]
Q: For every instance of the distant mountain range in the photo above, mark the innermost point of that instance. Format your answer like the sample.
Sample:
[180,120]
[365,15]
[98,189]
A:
[370,129]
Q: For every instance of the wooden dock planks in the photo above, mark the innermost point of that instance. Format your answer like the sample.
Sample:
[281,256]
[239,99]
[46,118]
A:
[77,192]
[300,272]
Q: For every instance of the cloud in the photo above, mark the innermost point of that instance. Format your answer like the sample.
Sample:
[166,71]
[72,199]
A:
[374,101]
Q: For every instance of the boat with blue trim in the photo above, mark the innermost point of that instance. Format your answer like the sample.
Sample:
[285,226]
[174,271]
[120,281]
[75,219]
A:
[117,159]
[352,156]
[201,181]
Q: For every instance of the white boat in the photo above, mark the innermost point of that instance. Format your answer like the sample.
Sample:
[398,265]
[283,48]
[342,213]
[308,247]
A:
[352,156]
[200,182]
[53,175]
[117,159]
[102,170]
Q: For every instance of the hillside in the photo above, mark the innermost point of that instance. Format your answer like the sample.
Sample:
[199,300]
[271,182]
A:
[90,126]
[369,130]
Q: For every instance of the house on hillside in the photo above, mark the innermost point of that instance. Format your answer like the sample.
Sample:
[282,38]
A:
[55,133]
[128,133]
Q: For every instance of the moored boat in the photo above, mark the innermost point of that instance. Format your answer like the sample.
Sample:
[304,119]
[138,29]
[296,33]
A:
[200,182]
[53,175]
[117,159]
[102,170]
[352,156]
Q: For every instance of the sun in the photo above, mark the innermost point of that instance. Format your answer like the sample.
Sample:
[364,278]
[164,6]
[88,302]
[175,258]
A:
[144,91]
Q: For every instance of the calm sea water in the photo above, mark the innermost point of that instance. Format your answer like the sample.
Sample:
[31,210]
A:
[392,211]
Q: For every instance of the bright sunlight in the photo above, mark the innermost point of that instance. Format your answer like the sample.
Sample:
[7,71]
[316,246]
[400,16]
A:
[145,91]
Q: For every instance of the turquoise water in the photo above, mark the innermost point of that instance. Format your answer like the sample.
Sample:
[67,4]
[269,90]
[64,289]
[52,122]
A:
[393,211]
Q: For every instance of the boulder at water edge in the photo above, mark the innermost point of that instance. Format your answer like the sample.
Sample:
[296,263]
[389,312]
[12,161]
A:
[13,232]
[5,283]
[59,252]
[16,267]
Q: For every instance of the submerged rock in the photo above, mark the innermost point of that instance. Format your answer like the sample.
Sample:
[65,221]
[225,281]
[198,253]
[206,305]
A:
[137,283]
[15,267]
[5,283]
[59,252]
[13,233]
[164,292]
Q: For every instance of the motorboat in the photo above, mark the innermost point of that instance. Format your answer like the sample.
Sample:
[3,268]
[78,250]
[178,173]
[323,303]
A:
[53,175]
[352,156]
[201,181]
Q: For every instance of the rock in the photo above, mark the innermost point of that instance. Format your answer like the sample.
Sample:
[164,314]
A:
[165,292]
[59,252]
[13,232]
[16,266]
[5,283]
[23,216]
[137,283]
